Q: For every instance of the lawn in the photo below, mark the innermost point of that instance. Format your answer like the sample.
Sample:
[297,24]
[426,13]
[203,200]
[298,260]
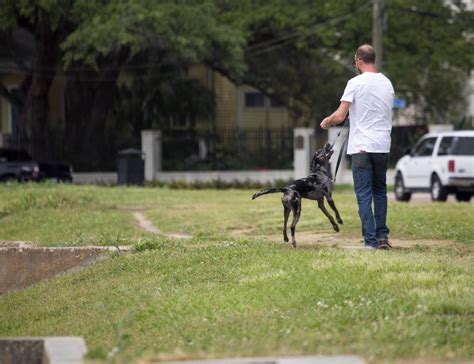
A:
[234,288]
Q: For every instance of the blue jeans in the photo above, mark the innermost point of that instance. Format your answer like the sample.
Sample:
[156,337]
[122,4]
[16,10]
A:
[369,171]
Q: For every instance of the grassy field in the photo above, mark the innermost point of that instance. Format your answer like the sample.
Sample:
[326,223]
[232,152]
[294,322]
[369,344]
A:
[234,289]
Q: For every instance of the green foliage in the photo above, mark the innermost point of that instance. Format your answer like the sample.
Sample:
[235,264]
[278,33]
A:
[429,53]
[302,51]
[187,29]
[25,13]
[297,52]
[216,184]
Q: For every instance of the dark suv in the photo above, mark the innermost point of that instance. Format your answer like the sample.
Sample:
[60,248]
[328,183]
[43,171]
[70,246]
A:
[17,165]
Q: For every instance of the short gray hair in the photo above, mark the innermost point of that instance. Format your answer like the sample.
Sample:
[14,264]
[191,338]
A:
[366,53]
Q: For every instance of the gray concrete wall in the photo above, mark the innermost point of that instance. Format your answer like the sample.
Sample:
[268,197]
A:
[42,350]
[225,176]
[344,176]
[21,351]
[22,266]
[106,178]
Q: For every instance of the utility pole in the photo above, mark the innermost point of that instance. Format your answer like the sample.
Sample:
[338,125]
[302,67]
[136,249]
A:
[377,32]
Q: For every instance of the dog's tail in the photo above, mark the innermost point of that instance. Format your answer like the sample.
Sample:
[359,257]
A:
[268,190]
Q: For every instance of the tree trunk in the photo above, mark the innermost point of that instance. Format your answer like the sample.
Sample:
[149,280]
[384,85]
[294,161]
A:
[90,99]
[35,112]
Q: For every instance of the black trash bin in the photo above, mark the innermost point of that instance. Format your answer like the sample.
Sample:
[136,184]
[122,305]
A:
[130,167]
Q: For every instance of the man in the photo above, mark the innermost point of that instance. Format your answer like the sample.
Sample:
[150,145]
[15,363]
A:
[368,98]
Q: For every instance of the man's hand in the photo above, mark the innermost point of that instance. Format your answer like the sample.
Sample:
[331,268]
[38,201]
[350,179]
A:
[337,116]
[326,123]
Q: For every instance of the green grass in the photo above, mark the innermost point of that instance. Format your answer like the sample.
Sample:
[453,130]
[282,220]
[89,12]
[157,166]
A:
[85,215]
[225,293]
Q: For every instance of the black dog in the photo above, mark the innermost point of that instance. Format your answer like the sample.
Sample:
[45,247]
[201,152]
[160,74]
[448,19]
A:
[314,187]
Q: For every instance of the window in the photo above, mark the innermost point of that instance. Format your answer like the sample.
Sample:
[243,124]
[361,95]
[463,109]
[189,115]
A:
[14,155]
[445,146]
[456,146]
[254,99]
[426,147]
[463,146]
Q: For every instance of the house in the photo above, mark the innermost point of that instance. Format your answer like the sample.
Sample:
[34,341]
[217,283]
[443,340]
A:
[245,123]
[248,130]
[241,106]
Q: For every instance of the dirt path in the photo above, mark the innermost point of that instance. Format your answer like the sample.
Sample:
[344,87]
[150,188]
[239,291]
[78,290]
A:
[327,239]
[147,225]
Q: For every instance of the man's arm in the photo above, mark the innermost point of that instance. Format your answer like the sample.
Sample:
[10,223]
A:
[337,116]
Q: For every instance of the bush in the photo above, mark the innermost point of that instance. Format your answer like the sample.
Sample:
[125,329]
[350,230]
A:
[217,184]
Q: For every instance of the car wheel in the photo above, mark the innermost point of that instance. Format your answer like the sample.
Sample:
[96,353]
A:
[463,196]
[399,189]
[438,191]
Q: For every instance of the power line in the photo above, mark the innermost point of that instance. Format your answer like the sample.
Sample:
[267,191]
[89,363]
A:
[278,42]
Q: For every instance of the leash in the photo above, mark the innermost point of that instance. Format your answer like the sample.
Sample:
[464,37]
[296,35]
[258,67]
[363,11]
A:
[341,151]
[340,131]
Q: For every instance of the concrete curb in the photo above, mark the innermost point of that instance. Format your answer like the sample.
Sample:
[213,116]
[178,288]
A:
[318,359]
[42,350]
[23,265]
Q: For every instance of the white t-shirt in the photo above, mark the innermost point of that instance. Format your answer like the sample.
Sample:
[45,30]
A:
[371,97]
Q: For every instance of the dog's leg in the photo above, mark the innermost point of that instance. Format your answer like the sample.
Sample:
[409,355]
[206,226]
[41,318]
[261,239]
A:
[334,208]
[325,212]
[296,207]
[286,214]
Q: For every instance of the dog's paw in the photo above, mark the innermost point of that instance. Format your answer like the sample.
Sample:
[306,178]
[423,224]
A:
[293,244]
[339,220]
[286,239]
[336,228]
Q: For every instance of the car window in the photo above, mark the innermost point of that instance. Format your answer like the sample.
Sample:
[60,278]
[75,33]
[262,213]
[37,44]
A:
[445,146]
[425,148]
[462,146]
[13,155]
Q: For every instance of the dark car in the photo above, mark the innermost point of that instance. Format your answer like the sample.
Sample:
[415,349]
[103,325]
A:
[17,165]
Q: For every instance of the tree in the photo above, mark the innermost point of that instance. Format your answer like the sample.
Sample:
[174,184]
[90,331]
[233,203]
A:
[97,40]
[430,62]
[297,52]
[48,22]
[302,51]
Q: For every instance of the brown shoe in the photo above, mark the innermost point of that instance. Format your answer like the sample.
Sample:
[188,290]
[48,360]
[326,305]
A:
[384,244]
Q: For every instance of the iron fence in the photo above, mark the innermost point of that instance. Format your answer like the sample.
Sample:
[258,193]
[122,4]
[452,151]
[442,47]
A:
[225,149]
[228,149]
